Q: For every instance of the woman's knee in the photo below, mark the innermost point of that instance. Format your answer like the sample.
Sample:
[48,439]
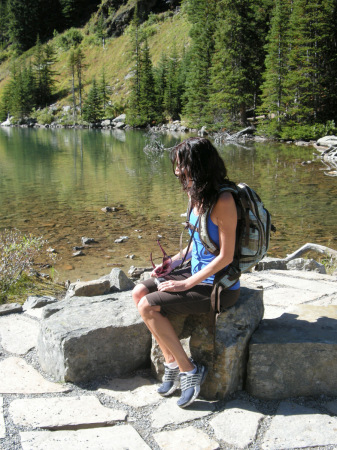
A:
[138,292]
[144,308]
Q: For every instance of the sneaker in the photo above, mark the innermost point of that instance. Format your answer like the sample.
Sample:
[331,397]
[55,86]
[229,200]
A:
[170,382]
[190,385]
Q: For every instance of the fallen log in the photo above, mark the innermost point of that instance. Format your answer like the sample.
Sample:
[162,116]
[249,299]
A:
[312,247]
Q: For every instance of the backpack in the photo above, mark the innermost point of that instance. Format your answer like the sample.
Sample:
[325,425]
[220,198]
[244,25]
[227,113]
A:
[252,236]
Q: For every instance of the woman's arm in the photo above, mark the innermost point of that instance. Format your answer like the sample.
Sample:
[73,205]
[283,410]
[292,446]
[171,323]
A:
[224,215]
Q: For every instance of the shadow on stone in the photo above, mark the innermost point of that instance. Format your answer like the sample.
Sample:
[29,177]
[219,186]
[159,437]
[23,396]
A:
[295,354]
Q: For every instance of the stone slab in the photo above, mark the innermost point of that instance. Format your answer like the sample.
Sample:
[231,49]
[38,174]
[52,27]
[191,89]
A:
[14,327]
[228,425]
[169,412]
[37,313]
[87,338]
[296,426]
[305,284]
[188,438]
[17,377]
[271,312]
[295,354]
[228,356]
[332,407]
[63,413]
[38,301]
[285,297]
[136,392]
[10,308]
[2,420]
[300,274]
[107,438]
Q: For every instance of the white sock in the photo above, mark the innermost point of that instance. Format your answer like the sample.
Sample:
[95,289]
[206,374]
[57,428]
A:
[191,372]
[172,365]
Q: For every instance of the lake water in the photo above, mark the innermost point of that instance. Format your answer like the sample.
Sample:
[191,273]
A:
[54,183]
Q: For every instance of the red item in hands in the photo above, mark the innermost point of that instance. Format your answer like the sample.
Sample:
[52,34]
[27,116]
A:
[166,261]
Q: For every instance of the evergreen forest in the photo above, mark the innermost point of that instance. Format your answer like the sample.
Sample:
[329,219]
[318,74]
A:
[271,63]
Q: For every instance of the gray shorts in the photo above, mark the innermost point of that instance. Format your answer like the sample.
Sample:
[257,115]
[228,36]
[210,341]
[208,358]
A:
[194,301]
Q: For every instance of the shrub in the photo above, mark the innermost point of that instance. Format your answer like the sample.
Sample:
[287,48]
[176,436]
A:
[71,38]
[17,254]
[44,116]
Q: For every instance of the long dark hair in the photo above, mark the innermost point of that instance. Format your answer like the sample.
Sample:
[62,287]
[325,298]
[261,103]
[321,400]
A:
[200,161]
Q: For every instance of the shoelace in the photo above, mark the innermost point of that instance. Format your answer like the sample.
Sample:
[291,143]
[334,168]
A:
[188,381]
[171,374]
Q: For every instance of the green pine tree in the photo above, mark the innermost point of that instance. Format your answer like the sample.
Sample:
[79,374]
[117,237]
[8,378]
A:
[3,23]
[273,89]
[72,70]
[92,109]
[44,59]
[173,90]
[309,26]
[237,62]
[133,110]
[147,98]
[104,90]
[23,26]
[202,15]
[68,8]
[159,73]
[78,60]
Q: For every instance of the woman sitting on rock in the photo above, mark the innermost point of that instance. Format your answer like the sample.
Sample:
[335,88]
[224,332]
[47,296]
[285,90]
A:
[201,172]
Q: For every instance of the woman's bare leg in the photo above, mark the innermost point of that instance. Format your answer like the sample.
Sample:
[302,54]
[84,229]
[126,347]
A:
[138,293]
[164,333]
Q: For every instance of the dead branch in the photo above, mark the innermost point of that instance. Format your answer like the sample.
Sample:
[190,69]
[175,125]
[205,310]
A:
[312,247]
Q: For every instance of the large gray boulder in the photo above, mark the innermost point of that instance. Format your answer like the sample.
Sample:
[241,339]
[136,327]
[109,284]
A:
[306,264]
[268,263]
[295,354]
[327,141]
[83,338]
[228,359]
[118,281]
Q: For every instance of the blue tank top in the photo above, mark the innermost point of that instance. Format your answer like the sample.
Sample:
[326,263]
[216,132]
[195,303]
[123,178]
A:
[200,256]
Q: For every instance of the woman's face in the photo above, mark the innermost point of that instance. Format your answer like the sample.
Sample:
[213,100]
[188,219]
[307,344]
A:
[179,170]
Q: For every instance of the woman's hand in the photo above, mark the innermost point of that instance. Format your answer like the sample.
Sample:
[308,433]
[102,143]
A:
[173,286]
[162,270]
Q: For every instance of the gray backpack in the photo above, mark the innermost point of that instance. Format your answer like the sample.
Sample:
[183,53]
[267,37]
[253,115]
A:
[252,237]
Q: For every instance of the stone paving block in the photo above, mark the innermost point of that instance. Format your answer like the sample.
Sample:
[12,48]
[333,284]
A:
[271,312]
[63,413]
[310,284]
[108,438]
[285,297]
[296,426]
[2,420]
[228,425]
[306,275]
[12,327]
[295,354]
[255,279]
[38,301]
[137,391]
[35,312]
[170,413]
[87,338]
[17,377]
[10,308]
[188,438]
[332,407]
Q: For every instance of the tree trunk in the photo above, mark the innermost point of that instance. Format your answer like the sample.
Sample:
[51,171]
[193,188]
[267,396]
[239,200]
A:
[312,247]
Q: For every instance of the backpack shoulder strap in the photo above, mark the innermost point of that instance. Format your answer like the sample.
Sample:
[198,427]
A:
[206,239]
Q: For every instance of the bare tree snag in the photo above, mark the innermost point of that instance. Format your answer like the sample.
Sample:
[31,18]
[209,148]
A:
[312,247]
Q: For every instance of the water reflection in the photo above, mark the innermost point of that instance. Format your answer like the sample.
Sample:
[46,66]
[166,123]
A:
[55,182]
